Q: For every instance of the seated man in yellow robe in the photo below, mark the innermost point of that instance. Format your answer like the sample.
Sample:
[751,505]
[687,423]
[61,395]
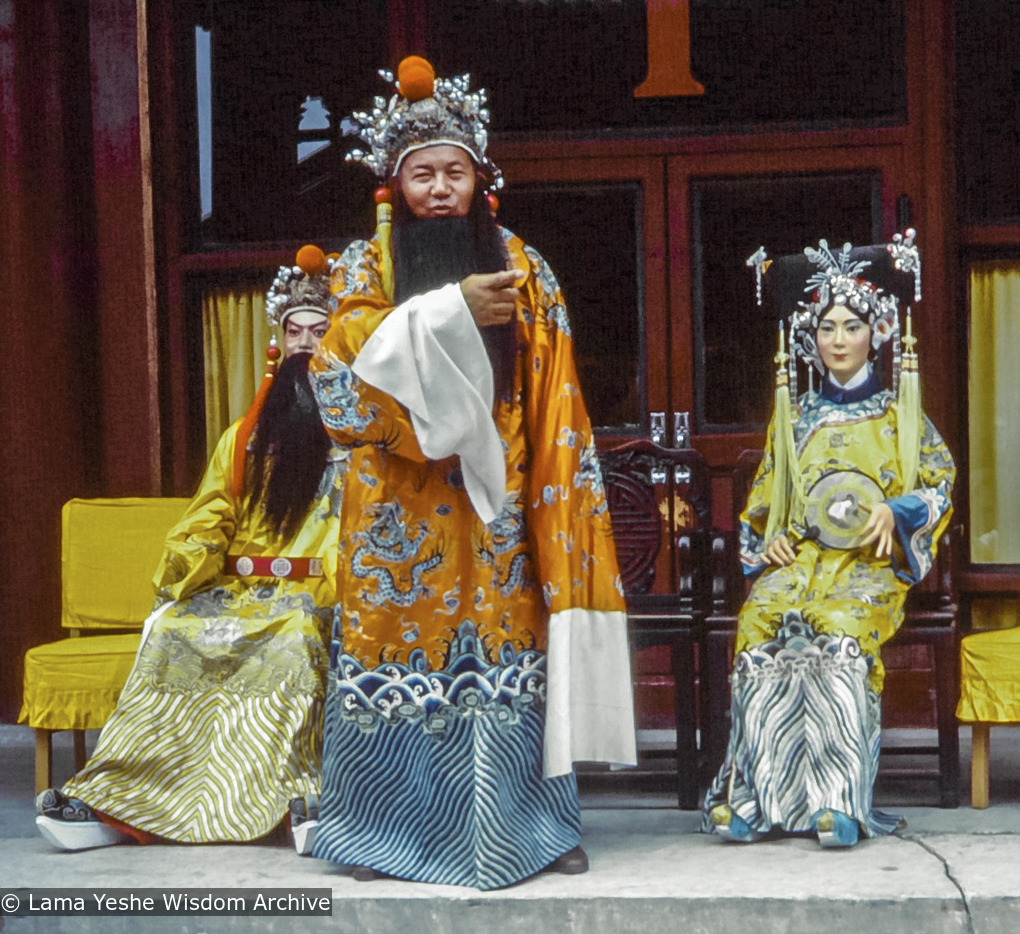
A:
[481,640]
[218,729]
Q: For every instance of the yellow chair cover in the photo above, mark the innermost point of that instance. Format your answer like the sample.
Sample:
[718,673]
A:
[74,684]
[990,677]
[110,549]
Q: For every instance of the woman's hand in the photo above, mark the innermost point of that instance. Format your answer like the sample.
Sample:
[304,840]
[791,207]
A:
[881,528]
[780,551]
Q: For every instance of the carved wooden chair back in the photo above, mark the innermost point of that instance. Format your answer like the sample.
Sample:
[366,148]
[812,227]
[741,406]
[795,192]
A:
[659,499]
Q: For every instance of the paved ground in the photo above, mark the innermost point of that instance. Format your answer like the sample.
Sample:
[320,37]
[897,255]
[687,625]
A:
[650,871]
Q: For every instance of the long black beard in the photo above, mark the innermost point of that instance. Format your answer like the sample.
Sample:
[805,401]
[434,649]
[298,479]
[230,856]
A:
[431,252]
[289,451]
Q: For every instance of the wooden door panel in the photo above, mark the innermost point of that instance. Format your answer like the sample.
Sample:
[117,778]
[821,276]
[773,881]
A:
[779,177]
[600,223]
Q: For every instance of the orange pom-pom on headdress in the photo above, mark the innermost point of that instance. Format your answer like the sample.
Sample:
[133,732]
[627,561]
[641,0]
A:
[311,260]
[417,78]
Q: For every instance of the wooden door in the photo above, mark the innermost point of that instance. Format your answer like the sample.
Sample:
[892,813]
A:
[722,207]
[600,224]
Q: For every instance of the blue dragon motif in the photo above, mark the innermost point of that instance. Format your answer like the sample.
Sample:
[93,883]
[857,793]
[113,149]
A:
[552,311]
[589,474]
[390,539]
[339,402]
[503,535]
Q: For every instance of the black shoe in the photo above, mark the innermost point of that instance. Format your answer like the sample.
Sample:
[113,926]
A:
[54,804]
[571,863]
[303,809]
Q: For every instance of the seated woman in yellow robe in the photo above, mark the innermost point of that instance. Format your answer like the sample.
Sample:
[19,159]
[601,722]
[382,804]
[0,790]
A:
[219,726]
[844,515]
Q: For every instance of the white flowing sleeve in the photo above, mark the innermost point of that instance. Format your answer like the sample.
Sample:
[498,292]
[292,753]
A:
[429,356]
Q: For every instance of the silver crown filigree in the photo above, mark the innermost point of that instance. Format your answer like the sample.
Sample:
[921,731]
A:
[839,281]
[293,290]
[452,114]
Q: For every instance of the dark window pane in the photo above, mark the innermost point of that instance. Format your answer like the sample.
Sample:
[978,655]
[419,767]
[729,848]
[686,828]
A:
[590,236]
[574,64]
[988,110]
[735,340]
[267,61]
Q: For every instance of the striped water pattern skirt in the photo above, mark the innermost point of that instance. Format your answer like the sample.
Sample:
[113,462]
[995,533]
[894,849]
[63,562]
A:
[219,725]
[437,776]
[806,733]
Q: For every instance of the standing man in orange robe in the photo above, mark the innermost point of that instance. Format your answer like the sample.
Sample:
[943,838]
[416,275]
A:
[481,643]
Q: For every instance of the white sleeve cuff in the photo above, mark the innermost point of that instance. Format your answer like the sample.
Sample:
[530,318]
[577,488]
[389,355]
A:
[589,696]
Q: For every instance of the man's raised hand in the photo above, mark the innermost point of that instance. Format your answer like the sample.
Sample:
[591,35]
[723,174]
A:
[491,296]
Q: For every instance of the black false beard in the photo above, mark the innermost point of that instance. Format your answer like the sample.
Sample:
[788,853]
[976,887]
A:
[289,451]
[431,252]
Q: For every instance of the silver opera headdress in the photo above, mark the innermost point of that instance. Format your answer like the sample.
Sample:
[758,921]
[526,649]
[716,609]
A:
[868,280]
[425,111]
[301,287]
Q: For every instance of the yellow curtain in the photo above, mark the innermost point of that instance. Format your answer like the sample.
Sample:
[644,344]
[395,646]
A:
[236,337]
[994,402]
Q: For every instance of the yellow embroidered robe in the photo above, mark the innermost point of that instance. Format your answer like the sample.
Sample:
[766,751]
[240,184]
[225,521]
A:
[415,560]
[433,760]
[808,674]
[219,724]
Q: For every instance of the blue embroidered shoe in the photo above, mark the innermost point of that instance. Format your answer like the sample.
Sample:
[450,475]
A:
[835,829]
[731,826]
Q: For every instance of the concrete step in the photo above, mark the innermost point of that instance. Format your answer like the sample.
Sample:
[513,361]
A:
[651,871]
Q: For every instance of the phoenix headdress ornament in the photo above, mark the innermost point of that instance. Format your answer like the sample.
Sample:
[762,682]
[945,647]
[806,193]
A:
[864,279]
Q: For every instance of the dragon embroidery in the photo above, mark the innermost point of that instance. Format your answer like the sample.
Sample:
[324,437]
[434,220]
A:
[340,405]
[503,535]
[390,539]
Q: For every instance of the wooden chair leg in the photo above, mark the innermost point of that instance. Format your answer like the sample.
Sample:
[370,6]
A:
[947,663]
[979,765]
[717,666]
[79,750]
[43,759]
[686,741]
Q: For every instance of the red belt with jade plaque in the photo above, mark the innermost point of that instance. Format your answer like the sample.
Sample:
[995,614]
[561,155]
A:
[269,566]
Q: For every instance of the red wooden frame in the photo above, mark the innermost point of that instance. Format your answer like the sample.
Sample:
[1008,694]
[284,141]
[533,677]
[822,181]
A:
[721,450]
